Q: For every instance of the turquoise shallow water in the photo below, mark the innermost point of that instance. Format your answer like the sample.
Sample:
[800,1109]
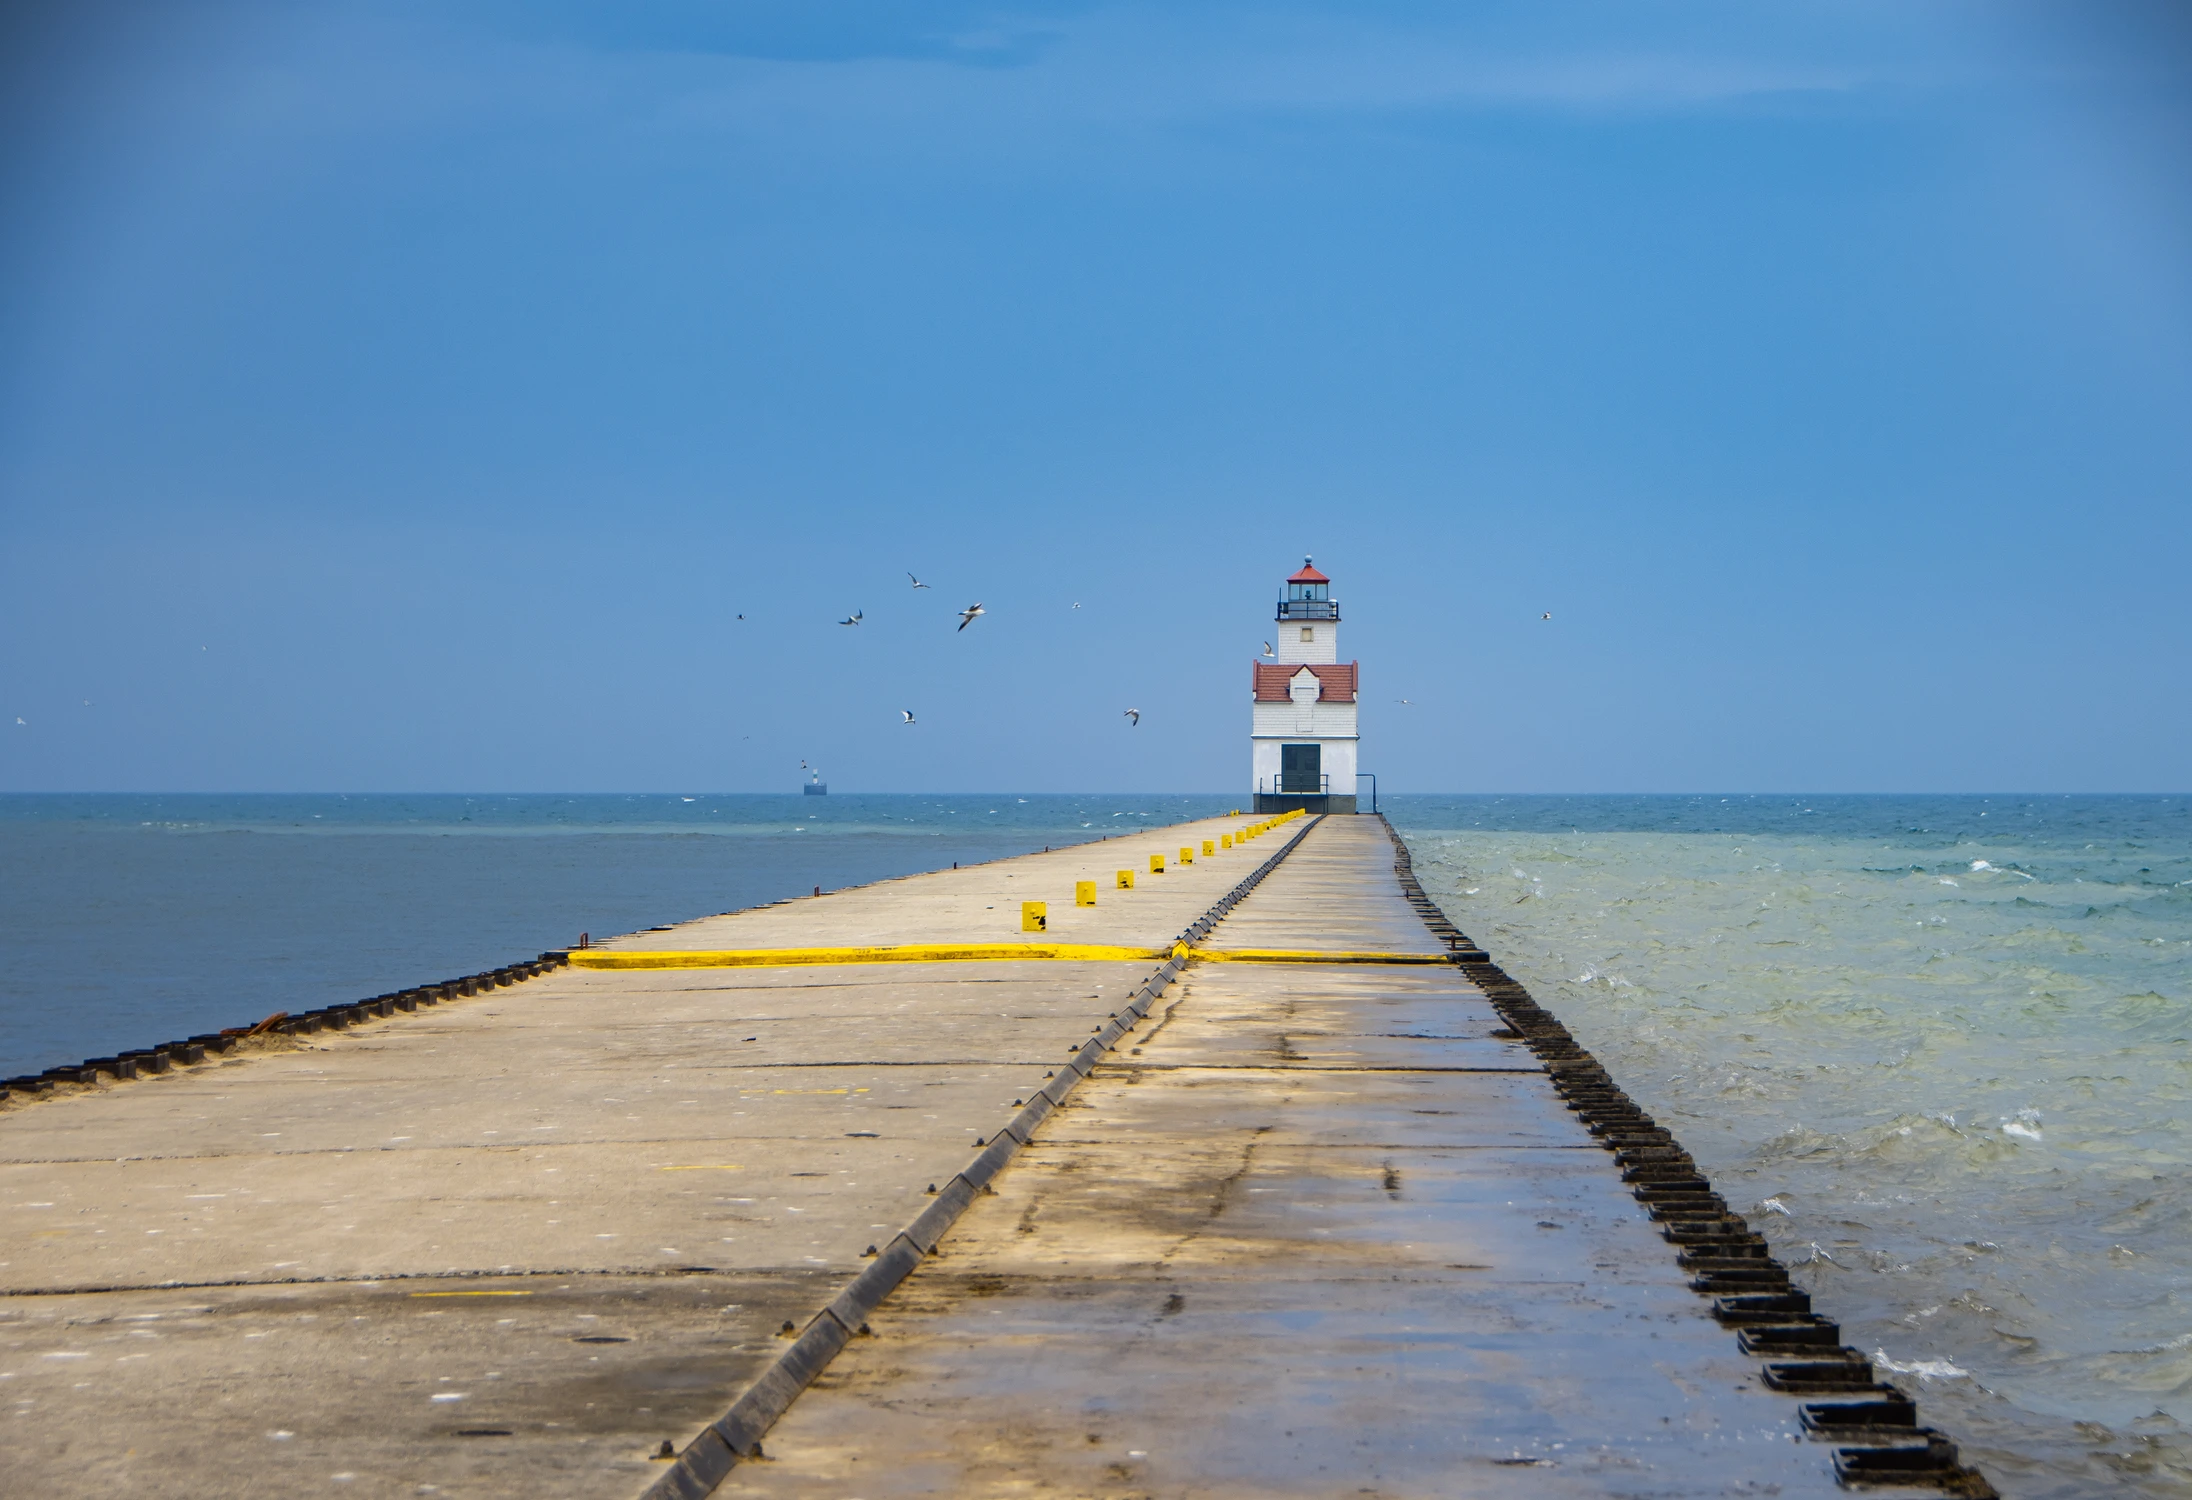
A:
[1940,1050]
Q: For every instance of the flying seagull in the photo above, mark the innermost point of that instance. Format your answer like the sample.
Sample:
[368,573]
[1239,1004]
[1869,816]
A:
[1076,604]
[908,713]
[1409,701]
[1135,716]
[1267,649]
[967,615]
[1546,616]
[917,583]
[853,621]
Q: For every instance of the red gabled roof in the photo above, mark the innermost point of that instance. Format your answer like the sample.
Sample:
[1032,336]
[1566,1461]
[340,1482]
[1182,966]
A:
[1308,575]
[1336,681]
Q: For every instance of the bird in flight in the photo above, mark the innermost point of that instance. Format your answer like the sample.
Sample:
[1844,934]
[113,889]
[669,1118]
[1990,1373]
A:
[1076,604]
[21,720]
[1134,717]
[1267,649]
[967,615]
[1546,616]
[853,621]
[917,583]
[908,713]
[1409,701]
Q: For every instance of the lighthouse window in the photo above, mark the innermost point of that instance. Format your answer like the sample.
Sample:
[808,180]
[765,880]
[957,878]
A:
[1308,633]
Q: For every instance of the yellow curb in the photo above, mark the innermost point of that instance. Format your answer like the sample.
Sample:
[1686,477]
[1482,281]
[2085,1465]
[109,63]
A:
[1309,956]
[903,953]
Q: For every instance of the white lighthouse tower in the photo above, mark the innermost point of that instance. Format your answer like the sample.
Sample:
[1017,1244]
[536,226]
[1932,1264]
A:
[1302,737]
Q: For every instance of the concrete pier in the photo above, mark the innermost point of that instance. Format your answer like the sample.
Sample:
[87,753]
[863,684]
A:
[1320,1231]
[1320,1224]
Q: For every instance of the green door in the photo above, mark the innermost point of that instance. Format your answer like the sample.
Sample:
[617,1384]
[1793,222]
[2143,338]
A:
[1301,768]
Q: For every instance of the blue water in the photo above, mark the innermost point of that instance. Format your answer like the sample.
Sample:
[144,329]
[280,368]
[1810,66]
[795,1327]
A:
[131,920]
[1940,1048]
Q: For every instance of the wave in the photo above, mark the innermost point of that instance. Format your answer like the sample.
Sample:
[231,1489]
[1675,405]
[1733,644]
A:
[1924,1369]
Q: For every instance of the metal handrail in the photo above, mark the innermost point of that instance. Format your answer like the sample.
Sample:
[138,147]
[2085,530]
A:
[1309,609]
[1275,786]
[1373,788]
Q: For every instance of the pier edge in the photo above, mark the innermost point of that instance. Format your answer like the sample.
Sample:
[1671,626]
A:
[1874,1423]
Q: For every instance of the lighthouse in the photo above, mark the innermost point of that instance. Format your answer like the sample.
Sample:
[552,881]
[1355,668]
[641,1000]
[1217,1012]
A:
[1302,734]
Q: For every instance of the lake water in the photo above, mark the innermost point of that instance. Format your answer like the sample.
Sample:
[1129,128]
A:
[1936,1046]
[130,920]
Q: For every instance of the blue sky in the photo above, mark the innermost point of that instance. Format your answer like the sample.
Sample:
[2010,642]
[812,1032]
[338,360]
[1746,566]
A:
[412,396]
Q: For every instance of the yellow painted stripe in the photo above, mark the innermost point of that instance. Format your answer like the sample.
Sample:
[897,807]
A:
[902,953]
[1309,956]
[471,1294]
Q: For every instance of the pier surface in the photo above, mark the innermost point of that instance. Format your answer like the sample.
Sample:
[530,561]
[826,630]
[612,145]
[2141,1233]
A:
[1312,1228]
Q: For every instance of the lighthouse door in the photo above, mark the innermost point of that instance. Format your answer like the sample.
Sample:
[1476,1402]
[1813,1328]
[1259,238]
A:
[1300,768]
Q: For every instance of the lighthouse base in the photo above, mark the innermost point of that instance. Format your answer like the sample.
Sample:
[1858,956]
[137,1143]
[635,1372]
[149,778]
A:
[1316,802]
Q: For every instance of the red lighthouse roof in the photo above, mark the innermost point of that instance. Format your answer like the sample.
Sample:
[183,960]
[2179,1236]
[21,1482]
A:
[1337,682]
[1308,574]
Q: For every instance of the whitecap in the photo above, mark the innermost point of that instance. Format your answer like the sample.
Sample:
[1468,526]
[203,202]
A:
[2025,1123]
[1946,881]
[1980,864]
[1924,1369]
[1775,1206]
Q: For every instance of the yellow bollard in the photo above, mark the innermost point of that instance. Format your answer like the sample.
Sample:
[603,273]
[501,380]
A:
[1156,864]
[1210,847]
[1084,893]
[1187,855]
[1126,880]
[1225,841]
[1033,916]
